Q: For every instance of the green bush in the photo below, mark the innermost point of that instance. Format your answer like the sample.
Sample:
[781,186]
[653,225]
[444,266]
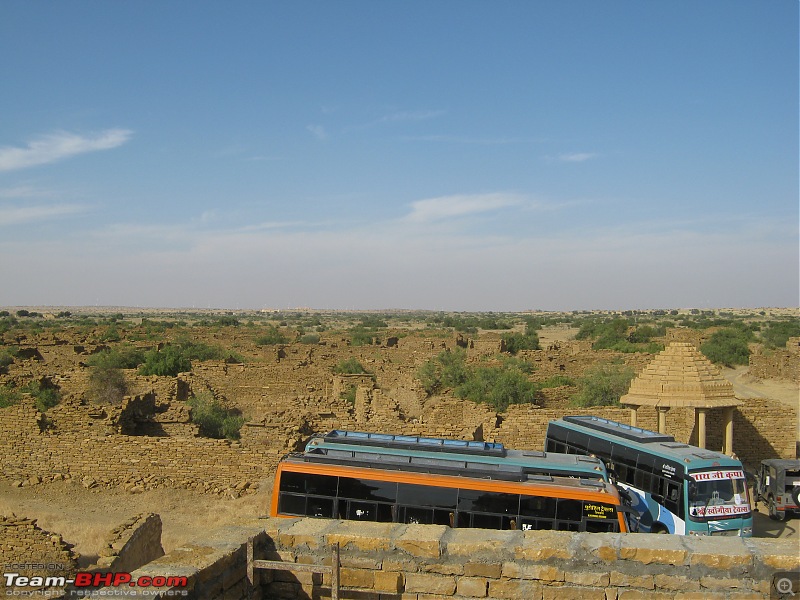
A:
[7,356]
[521,341]
[271,337]
[555,381]
[349,394]
[107,385]
[214,420]
[777,333]
[446,370]
[350,366]
[362,337]
[126,357]
[309,338]
[498,387]
[728,347]
[9,395]
[603,385]
[169,361]
[44,396]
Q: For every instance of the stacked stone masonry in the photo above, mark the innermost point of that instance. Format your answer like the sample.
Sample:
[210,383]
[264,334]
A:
[428,562]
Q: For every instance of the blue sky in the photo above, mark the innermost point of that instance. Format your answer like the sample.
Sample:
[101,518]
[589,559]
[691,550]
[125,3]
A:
[454,155]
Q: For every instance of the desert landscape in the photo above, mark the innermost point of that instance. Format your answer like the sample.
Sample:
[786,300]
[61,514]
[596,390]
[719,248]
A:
[103,410]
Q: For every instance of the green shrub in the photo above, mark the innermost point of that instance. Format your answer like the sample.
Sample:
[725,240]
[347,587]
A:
[777,333]
[169,361]
[107,385]
[728,347]
[555,381]
[350,366]
[7,356]
[271,337]
[126,357]
[9,395]
[309,338]
[362,337]
[521,341]
[603,385]
[214,420]
[498,387]
[446,370]
[45,396]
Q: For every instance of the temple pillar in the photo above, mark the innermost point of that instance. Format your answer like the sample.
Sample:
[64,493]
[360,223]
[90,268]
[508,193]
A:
[634,414]
[728,447]
[662,418]
[701,427]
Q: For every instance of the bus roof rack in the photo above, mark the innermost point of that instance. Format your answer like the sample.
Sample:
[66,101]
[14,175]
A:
[415,443]
[629,432]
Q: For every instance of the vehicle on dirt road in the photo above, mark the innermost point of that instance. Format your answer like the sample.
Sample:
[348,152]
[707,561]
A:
[778,486]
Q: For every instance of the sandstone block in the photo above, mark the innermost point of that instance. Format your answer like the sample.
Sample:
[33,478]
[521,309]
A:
[490,570]
[472,586]
[388,581]
[358,578]
[514,589]
[514,570]
[424,541]
[430,584]
[541,545]
[587,578]
[635,581]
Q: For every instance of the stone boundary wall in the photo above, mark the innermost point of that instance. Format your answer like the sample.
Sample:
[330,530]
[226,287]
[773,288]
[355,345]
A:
[433,562]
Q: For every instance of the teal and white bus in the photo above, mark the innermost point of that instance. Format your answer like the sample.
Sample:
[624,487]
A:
[486,456]
[674,487]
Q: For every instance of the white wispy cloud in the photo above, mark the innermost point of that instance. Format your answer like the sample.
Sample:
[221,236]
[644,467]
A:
[444,207]
[24,191]
[412,115]
[14,215]
[57,146]
[318,131]
[457,139]
[577,156]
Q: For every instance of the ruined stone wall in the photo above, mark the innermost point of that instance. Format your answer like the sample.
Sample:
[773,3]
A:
[30,551]
[780,364]
[132,544]
[427,562]
[32,455]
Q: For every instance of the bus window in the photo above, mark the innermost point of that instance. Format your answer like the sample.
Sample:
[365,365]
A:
[488,502]
[609,526]
[569,510]
[424,495]
[319,507]
[291,504]
[540,507]
[367,489]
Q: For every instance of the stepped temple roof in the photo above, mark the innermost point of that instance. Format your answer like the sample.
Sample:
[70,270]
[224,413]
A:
[680,376]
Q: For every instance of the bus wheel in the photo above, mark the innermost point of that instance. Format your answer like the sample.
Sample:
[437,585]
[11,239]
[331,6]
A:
[774,513]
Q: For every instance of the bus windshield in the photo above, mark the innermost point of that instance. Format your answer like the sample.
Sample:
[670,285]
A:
[718,494]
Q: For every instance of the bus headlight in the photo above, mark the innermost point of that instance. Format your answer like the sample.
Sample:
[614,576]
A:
[698,533]
[747,532]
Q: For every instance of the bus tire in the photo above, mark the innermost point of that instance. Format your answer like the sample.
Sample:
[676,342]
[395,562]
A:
[796,495]
[658,528]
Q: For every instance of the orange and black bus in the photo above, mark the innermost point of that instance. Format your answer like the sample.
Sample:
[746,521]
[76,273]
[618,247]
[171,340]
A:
[385,490]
